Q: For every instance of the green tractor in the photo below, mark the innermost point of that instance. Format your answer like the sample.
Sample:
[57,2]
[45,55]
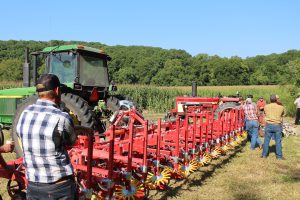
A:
[87,94]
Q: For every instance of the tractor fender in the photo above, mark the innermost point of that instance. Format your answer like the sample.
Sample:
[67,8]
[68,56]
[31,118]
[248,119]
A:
[225,106]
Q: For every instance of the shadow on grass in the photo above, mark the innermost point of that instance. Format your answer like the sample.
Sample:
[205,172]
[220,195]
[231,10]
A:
[245,191]
[197,178]
[290,174]
[272,149]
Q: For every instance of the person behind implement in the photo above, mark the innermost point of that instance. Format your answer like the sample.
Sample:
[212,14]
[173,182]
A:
[251,121]
[44,131]
[297,104]
[274,113]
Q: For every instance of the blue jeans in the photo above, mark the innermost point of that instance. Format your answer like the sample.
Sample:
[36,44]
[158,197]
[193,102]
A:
[276,131]
[57,191]
[252,129]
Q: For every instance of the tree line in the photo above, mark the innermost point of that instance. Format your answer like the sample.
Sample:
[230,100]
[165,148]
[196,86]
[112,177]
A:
[169,67]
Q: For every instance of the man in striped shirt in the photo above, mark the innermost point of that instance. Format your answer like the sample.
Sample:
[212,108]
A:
[252,124]
[44,131]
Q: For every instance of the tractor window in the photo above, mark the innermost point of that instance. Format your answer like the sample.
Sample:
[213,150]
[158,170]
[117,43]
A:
[64,66]
[93,71]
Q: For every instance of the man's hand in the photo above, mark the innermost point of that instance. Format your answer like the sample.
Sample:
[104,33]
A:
[7,148]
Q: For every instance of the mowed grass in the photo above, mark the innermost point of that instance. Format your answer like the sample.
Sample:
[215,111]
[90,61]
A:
[243,175]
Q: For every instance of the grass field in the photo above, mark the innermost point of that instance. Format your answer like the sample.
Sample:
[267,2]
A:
[238,175]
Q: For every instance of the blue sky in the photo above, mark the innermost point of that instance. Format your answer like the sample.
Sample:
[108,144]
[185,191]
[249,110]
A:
[216,27]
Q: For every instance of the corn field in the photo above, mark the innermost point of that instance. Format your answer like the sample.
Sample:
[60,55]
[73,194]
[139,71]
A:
[9,84]
[161,99]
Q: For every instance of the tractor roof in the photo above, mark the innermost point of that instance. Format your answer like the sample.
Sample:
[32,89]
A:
[72,47]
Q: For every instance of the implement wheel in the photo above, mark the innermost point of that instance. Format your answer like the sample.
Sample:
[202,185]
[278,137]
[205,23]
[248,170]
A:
[77,107]
[14,188]
[1,137]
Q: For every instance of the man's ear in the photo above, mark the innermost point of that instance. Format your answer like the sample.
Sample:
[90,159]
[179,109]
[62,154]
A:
[57,90]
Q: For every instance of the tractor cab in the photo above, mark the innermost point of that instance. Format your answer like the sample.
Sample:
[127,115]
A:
[83,67]
[78,64]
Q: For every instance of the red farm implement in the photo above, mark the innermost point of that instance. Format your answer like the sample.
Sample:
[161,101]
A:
[135,155]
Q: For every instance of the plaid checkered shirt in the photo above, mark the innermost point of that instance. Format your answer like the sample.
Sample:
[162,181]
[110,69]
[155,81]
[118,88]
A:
[250,111]
[44,130]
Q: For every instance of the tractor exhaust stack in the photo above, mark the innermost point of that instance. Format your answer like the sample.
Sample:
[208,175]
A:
[34,65]
[26,69]
[194,89]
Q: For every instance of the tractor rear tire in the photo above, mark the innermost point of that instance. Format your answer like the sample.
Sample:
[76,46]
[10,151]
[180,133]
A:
[80,108]
[72,104]
[18,146]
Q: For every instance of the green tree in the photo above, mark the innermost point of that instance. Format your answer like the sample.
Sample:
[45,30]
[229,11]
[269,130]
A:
[292,73]
[152,65]
[126,75]
[11,69]
[172,74]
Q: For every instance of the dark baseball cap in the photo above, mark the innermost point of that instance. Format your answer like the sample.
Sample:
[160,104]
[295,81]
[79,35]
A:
[47,82]
[273,98]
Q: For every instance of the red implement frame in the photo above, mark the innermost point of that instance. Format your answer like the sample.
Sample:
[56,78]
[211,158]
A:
[137,155]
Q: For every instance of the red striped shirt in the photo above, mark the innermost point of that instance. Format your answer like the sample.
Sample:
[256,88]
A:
[250,111]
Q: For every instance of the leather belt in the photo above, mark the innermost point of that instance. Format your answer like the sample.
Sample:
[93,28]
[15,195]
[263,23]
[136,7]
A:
[64,179]
[59,181]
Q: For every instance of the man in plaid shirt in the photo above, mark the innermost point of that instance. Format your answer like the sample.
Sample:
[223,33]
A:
[252,124]
[44,131]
